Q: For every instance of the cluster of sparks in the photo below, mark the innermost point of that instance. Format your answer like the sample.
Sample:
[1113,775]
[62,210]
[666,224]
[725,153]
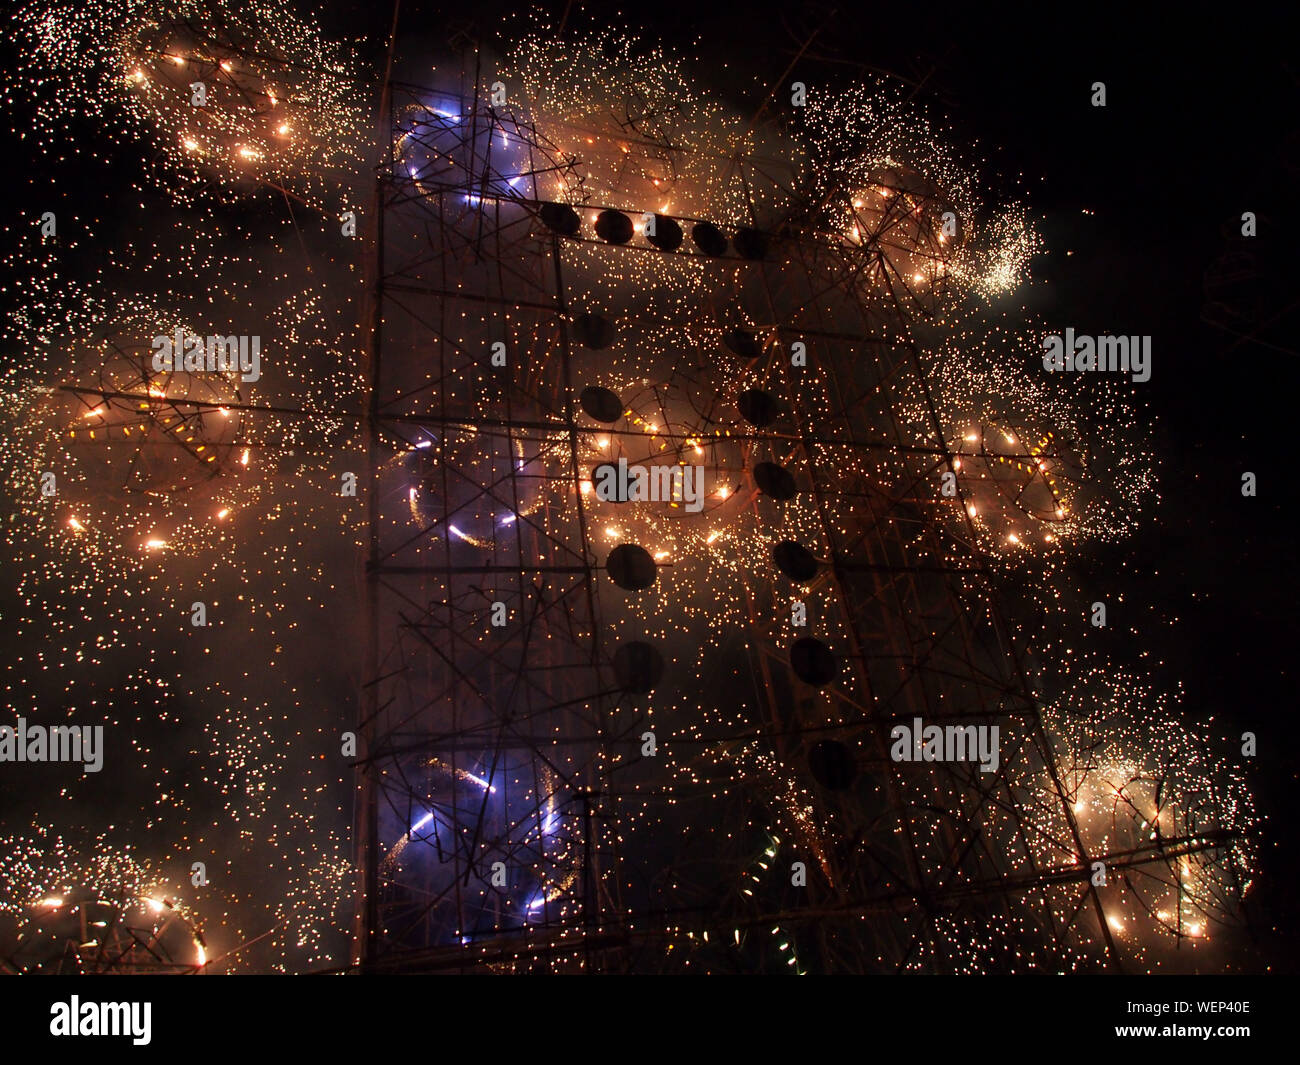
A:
[1140,775]
[1044,467]
[231,95]
[172,489]
[886,149]
[135,535]
[104,910]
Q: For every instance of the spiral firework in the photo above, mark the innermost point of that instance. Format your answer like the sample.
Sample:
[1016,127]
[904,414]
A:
[148,459]
[229,95]
[1040,469]
[1143,778]
[894,182]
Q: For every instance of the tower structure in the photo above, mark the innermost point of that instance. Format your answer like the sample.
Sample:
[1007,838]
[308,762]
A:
[685,725]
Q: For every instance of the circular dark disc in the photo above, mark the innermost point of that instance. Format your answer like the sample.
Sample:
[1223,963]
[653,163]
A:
[742,342]
[751,243]
[560,217]
[813,662]
[593,331]
[601,404]
[795,561]
[757,407]
[631,567]
[709,239]
[668,234]
[832,765]
[638,667]
[775,481]
[614,227]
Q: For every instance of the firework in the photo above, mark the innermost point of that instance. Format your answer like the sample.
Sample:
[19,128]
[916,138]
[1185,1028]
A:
[232,96]
[662,720]
[820,347]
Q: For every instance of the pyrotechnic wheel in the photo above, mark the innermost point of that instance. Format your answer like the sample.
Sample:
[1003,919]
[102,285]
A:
[1017,479]
[124,456]
[525,847]
[134,429]
[233,94]
[487,158]
[440,476]
[1148,788]
[83,932]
